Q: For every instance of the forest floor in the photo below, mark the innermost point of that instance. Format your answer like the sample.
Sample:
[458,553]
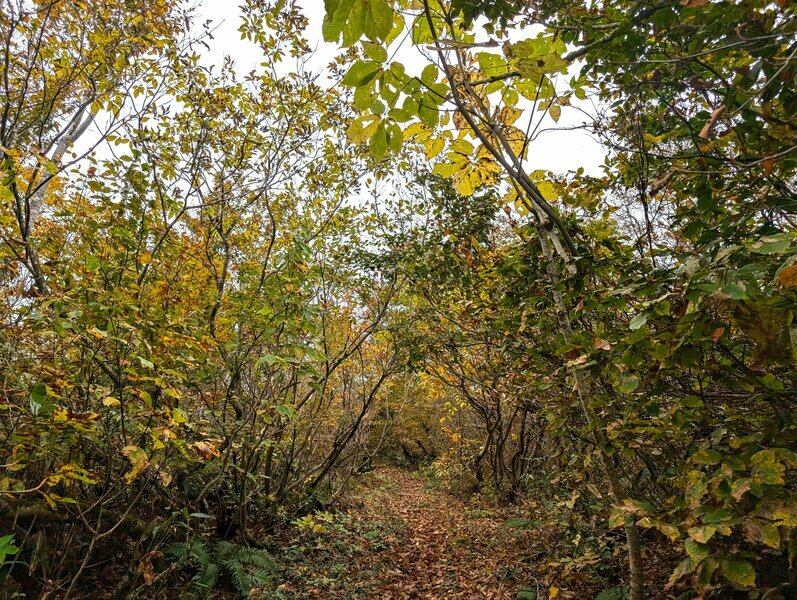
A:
[400,538]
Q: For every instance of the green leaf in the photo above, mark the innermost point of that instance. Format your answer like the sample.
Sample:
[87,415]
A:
[706,457]
[767,468]
[548,191]
[717,515]
[736,292]
[360,73]
[696,488]
[692,402]
[764,532]
[138,462]
[695,550]
[337,14]
[629,383]
[427,111]
[739,572]
[429,74]
[286,411]
[37,397]
[7,547]
[639,320]
[378,18]
[686,567]
[671,531]
[492,64]
[399,115]
[378,144]
[395,137]
[268,359]
[704,533]
[375,51]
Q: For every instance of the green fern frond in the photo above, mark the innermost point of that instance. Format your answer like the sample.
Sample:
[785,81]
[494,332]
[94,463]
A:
[616,593]
[247,567]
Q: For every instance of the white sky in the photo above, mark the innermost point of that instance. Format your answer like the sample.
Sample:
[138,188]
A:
[558,151]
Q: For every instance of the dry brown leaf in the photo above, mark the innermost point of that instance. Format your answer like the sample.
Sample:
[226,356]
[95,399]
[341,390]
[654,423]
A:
[145,566]
[788,276]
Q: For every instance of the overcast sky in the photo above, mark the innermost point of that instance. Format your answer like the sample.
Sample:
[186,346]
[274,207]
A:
[559,151]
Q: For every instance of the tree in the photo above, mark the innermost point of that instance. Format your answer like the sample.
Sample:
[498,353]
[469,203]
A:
[662,130]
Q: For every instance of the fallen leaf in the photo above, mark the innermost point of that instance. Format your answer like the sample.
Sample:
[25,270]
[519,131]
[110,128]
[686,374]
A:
[145,566]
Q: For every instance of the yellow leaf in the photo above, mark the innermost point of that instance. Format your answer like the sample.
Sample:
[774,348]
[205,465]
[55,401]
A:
[463,183]
[508,115]
[97,333]
[362,129]
[788,276]
[110,401]
[206,450]
[417,131]
[548,191]
[433,146]
[138,461]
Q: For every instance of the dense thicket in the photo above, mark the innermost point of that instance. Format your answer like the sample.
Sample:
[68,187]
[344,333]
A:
[643,320]
[207,327]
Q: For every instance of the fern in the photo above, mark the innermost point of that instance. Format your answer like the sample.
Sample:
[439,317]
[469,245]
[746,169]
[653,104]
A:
[616,593]
[247,567]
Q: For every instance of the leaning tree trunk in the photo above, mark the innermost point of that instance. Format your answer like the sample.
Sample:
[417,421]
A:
[555,240]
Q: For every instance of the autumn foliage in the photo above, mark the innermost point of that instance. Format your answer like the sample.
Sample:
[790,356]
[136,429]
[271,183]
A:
[226,296]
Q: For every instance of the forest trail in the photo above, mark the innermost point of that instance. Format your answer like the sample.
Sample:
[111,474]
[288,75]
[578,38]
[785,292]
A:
[449,551]
[416,542]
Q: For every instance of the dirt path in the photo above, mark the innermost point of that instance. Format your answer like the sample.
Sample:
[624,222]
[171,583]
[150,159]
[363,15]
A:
[448,549]
[398,539]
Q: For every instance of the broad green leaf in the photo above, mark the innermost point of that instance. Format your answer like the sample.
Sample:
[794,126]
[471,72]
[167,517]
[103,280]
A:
[429,74]
[286,411]
[375,52]
[548,191]
[739,572]
[37,398]
[361,73]
[628,383]
[337,14]
[706,457]
[639,320]
[378,18]
[492,64]
[671,531]
[696,551]
[767,468]
[378,144]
